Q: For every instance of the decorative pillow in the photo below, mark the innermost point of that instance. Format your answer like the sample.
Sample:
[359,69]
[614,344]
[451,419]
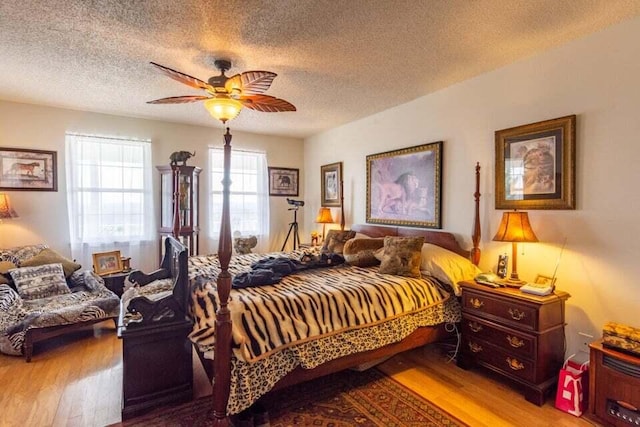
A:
[5,266]
[447,266]
[335,240]
[361,236]
[40,282]
[49,256]
[10,257]
[361,252]
[401,256]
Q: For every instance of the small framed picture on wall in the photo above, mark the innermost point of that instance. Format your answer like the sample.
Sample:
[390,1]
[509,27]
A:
[283,181]
[331,184]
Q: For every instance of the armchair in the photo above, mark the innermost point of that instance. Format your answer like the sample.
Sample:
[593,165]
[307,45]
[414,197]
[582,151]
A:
[38,301]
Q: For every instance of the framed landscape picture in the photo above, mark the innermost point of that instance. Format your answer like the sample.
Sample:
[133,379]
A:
[535,165]
[404,186]
[24,169]
[331,184]
[283,181]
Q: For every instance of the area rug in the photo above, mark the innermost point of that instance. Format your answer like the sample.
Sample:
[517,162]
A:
[344,399]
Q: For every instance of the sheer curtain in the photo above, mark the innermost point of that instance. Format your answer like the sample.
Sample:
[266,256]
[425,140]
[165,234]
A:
[249,195]
[109,197]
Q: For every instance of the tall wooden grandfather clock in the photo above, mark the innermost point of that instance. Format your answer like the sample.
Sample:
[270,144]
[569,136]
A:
[179,205]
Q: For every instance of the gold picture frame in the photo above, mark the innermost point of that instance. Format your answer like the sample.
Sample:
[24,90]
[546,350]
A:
[331,185]
[535,165]
[404,187]
[107,262]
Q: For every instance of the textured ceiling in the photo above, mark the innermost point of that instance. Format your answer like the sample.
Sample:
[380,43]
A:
[337,61]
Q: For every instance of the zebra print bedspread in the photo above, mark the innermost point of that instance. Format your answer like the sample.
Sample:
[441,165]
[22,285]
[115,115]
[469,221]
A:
[305,306]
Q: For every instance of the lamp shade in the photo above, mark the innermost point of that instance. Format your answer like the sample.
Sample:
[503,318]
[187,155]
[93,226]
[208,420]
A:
[223,108]
[515,227]
[324,216]
[6,211]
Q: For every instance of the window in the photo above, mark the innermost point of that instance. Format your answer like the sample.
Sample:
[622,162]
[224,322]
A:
[249,194]
[108,193]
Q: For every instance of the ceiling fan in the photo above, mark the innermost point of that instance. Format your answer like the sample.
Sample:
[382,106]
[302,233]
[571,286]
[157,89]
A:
[225,96]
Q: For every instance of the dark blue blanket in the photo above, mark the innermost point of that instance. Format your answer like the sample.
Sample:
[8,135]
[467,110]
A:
[271,270]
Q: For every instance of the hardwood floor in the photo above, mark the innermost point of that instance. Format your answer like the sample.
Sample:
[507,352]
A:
[76,380]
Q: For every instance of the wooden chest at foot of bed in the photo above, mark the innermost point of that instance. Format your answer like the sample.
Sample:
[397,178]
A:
[517,335]
[156,366]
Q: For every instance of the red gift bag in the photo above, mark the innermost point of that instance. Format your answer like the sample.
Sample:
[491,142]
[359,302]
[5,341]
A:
[573,384]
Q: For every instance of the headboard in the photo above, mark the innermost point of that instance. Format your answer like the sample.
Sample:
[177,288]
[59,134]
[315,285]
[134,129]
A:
[441,238]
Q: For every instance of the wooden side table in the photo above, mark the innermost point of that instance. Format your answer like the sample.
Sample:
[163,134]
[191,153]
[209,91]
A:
[520,336]
[115,281]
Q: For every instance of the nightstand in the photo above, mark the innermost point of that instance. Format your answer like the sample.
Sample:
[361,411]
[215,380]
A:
[519,336]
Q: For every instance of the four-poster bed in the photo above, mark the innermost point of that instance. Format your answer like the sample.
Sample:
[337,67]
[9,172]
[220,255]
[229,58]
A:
[216,298]
[312,323]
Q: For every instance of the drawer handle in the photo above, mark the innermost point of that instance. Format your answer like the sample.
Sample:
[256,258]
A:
[476,303]
[514,364]
[475,326]
[515,342]
[516,314]
[474,347]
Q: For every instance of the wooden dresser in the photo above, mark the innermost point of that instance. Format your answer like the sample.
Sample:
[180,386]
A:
[517,335]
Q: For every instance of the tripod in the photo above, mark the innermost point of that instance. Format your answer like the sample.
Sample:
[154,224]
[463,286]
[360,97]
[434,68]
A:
[293,226]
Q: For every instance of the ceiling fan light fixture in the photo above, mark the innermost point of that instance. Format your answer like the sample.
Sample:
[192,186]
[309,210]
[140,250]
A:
[223,109]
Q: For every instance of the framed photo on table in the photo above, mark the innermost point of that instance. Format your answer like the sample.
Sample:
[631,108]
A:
[331,184]
[107,262]
[25,169]
[404,186]
[545,280]
[283,181]
[535,165]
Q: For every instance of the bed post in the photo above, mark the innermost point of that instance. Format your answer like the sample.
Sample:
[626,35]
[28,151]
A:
[222,360]
[475,237]
[341,202]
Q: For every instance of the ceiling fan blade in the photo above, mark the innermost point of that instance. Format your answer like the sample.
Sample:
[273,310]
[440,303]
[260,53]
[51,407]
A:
[266,103]
[178,100]
[251,82]
[182,78]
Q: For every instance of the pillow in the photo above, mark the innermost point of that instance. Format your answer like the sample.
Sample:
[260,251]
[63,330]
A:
[401,256]
[361,252]
[5,266]
[40,282]
[335,240]
[447,266]
[362,236]
[49,256]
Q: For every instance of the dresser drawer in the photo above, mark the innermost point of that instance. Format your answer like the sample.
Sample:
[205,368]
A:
[515,342]
[493,307]
[511,364]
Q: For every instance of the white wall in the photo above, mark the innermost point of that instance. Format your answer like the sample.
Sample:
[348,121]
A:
[43,215]
[595,78]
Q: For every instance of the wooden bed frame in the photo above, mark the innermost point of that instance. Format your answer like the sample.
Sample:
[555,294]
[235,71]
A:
[219,370]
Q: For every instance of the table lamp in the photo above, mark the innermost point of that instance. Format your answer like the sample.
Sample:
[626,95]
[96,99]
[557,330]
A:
[324,217]
[514,228]
[6,211]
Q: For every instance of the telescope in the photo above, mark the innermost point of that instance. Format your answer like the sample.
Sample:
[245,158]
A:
[296,203]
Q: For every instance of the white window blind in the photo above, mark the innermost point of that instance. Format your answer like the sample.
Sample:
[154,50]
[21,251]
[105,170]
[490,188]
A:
[249,195]
[110,198]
